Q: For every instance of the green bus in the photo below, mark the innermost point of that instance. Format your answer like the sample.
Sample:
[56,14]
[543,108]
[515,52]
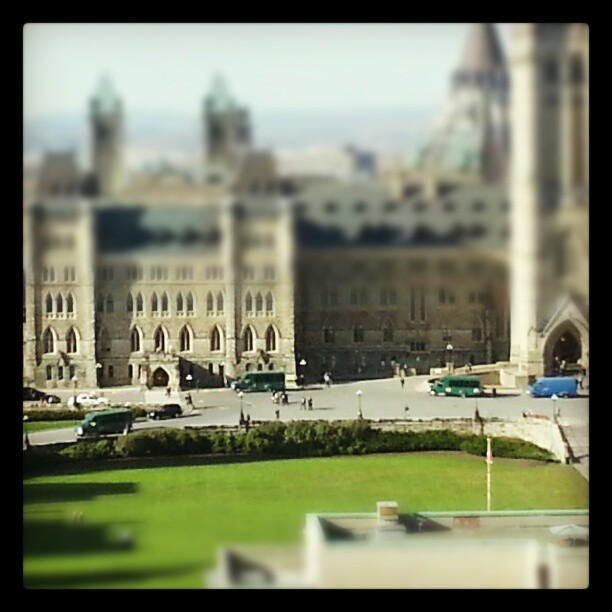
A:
[97,424]
[260,381]
[462,386]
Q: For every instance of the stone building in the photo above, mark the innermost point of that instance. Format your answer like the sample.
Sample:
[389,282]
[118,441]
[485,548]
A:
[550,198]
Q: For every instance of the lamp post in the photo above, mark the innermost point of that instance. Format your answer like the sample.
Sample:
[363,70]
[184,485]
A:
[189,378]
[26,439]
[98,373]
[303,366]
[241,420]
[75,381]
[359,394]
[556,413]
[449,357]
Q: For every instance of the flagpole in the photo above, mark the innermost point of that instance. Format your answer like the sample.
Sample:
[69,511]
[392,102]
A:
[488,474]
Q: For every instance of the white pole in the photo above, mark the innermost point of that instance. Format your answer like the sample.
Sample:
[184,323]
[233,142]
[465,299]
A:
[488,474]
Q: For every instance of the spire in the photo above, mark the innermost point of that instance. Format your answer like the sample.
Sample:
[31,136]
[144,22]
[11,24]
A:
[483,51]
[219,99]
[105,99]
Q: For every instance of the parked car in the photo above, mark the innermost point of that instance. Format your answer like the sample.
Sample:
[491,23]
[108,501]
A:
[89,400]
[32,395]
[169,411]
[109,422]
[52,399]
[565,386]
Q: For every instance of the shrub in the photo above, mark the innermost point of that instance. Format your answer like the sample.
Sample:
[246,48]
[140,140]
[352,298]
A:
[54,415]
[103,449]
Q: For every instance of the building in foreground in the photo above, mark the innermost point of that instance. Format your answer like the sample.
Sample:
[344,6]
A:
[437,550]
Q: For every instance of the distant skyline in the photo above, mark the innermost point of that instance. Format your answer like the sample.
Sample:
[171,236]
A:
[269,67]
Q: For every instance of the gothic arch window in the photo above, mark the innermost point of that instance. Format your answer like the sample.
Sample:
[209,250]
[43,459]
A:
[270,339]
[160,340]
[49,373]
[154,303]
[130,303]
[358,334]
[49,340]
[258,303]
[185,338]
[220,302]
[209,303]
[45,274]
[59,303]
[70,304]
[248,339]
[66,274]
[110,304]
[179,302]
[139,303]
[135,340]
[48,304]
[52,274]
[164,302]
[103,342]
[248,302]
[269,303]
[215,339]
[190,302]
[72,344]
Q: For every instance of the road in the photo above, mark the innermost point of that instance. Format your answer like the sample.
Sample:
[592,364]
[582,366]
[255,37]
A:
[380,399]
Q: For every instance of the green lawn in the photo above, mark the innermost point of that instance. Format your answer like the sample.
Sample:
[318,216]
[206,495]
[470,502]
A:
[34,426]
[180,515]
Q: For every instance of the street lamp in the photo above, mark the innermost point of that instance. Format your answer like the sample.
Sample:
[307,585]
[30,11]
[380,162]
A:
[449,356]
[240,394]
[26,440]
[189,378]
[556,412]
[359,394]
[75,380]
[98,372]
[303,365]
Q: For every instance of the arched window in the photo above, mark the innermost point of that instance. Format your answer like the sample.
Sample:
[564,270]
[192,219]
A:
[66,274]
[70,304]
[164,302]
[71,341]
[185,338]
[258,303]
[215,339]
[130,371]
[59,303]
[52,274]
[248,302]
[190,302]
[154,303]
[49,304]
[269,303]
[130,303]
[135,338]
[160,340]
[358,334]
[49,341]
[248,339]
[103,342]
[387,331]
[49,373]
[100,304]
[179,302]
[110,304]
[45,274]
[209,302]
[220,302]
[270,339]
[139,303]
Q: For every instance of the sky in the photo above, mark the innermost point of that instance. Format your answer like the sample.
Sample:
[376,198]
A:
[268,67]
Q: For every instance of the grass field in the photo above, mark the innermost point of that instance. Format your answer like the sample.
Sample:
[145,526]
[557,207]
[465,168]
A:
[179,516]
[34,426]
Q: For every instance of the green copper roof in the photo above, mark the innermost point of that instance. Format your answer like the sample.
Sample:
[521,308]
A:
[105,100]
[219,100]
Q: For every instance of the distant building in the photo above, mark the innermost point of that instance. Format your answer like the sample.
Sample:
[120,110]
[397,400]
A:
[425,550]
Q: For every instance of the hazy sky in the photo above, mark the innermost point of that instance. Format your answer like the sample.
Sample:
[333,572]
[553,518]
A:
[269,67]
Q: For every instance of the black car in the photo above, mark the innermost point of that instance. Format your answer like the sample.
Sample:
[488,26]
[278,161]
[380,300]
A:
[169,411]
[52,399]
[32,395]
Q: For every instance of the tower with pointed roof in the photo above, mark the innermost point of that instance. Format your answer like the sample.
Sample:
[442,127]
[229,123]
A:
[106,118]
[227,131]
[472,135]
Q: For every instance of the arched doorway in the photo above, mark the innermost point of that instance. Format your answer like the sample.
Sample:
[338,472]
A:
[564,344]
[160,378]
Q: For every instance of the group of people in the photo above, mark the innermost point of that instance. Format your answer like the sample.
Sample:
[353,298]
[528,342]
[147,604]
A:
[306,404]
[280,397]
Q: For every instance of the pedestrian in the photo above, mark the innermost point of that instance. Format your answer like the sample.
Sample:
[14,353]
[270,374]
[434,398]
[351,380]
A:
[406,409]
[469,366]
[494,392]
[562,368]
[168,390]
[579,381]
[402,381]
[360,415]
[277,413]
[247,422]
[303,403]
[310,403]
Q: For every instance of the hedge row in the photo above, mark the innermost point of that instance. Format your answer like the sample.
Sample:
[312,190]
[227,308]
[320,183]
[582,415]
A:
[300,439]
[73,415]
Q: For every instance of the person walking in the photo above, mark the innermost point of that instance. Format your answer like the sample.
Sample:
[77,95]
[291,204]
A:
[494,392]
[562,368]
[247,422]
[310,403]
[402,381]
[168,391]
[406,409]
[360,415]
[277,413]
[303,403]
[579,381]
